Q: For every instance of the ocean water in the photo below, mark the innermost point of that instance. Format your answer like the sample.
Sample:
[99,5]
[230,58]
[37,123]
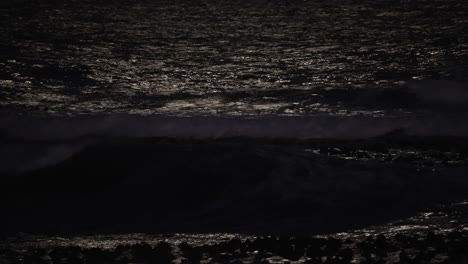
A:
[240,116]
[236,58]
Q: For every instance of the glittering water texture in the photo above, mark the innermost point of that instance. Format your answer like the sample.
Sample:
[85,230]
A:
[434,235]
[337,57]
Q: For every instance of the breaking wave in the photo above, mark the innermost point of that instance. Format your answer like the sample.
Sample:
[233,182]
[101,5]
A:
[226,185]
[295,127]
[219,185]
[29,142]
[210,174]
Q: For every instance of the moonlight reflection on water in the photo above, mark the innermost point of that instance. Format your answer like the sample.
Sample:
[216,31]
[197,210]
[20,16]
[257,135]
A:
[228,58]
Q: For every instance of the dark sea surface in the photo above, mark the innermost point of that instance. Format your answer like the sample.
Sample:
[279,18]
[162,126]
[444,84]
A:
[234,58]
[217,119]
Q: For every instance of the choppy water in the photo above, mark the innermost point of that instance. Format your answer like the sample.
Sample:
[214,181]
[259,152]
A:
[335,57]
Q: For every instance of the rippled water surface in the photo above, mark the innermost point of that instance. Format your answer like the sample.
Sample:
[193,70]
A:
[228,57]
[415,236]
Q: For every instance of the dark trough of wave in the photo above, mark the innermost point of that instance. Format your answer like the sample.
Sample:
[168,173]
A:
[275,186]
